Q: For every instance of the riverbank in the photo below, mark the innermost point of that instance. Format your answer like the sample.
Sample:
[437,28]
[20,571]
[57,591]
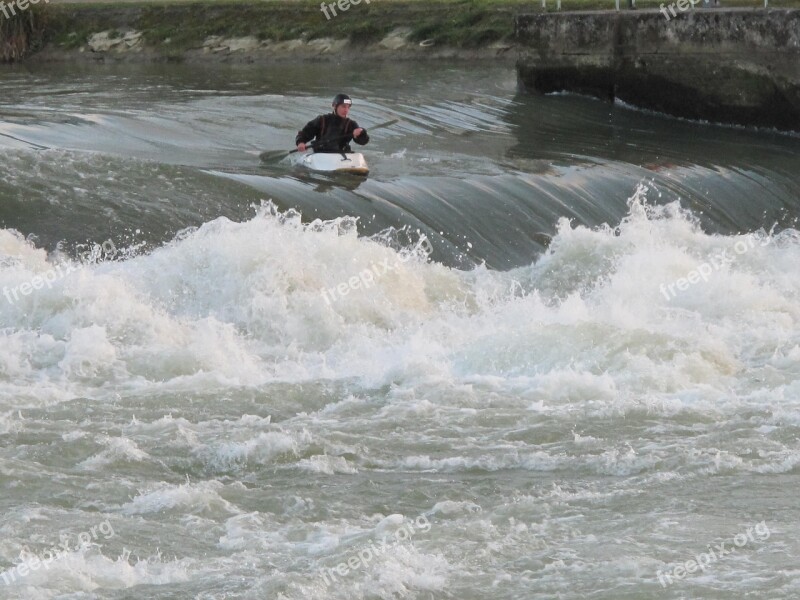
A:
[263,31]
[280,30]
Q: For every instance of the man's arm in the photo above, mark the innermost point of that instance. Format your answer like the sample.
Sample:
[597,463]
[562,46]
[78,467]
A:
[360,136]
[309,132]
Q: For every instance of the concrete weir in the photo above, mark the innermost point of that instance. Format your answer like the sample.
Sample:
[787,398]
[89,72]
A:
[730,66]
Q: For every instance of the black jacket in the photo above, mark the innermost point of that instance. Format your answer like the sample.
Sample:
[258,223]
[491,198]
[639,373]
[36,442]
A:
[331,133]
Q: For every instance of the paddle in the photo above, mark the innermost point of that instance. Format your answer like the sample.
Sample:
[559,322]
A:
[276,154]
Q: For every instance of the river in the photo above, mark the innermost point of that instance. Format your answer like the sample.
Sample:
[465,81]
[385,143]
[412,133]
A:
[548,348]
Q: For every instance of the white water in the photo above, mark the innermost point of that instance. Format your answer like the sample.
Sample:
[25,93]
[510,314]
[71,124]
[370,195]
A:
[565,427]
[243,304]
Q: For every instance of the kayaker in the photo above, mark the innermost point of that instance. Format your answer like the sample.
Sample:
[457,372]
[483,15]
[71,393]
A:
[332,132]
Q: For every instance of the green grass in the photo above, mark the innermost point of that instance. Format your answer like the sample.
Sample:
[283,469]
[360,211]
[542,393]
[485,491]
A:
[451,22]
[178,25]
[526,5]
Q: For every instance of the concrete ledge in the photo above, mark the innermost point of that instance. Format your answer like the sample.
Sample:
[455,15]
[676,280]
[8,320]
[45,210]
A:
[732,66]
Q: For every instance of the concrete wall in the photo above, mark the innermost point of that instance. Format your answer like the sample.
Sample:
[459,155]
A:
[733,66]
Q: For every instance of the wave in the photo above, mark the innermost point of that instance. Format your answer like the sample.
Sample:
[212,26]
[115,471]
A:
[643,309]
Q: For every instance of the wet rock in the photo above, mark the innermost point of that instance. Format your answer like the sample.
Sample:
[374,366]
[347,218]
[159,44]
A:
[106,41]
[397,38]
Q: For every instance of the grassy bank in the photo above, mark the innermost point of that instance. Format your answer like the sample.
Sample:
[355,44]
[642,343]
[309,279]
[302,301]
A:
[184,24]
[178,26]
[171,28]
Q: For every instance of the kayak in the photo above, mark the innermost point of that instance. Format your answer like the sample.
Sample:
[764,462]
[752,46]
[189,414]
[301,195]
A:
[350,162]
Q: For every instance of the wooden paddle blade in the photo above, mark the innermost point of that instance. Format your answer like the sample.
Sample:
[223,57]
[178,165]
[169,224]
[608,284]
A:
[273,155]
[387,124]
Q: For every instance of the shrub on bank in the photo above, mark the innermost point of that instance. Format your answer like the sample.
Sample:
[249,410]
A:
[21,31]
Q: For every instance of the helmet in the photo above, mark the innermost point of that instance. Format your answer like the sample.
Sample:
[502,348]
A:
[341,99]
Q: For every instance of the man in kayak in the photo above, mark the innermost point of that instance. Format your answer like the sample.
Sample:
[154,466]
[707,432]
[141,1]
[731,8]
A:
[332,132]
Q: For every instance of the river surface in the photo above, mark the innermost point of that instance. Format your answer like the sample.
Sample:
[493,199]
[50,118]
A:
[549,348]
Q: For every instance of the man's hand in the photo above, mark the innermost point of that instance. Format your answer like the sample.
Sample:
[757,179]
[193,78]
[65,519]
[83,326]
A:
[358,132]
[301,147]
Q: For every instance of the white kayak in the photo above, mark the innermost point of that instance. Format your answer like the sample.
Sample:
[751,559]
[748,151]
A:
[350,162]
